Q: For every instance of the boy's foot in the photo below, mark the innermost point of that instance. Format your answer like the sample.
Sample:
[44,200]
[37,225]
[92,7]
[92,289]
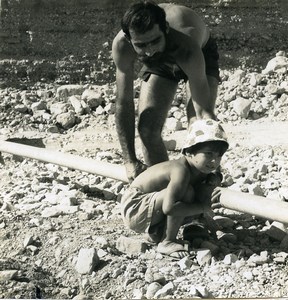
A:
[173,249]
[156,233]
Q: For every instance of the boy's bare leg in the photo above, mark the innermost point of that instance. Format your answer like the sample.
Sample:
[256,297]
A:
[173,225]
[155,100]
[169,244]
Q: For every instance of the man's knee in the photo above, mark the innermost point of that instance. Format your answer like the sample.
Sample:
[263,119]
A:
[149,126]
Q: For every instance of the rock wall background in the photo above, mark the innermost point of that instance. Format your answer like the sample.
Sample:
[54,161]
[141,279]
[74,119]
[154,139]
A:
[71,40]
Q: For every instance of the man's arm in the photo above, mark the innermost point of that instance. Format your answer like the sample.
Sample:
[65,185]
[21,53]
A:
[123,57]
[193,64]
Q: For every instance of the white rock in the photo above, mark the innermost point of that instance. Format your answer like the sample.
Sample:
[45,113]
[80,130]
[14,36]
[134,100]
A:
[152,289]
[185,263]
[87,260]
[58,108]
[203,256]
[66,120]
[230,258]
[248,275]
[165,290]
[100,110]
[203,291]
[7,274]
[173,124]
[101,241]
[284,193]
[242,106]
[64,91]
[93,98]
[284,86]
[256,79]
[256,189]
[76,103]
[278,63]
[137,294]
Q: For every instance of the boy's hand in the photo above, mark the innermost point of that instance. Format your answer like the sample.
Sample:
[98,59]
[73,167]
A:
[216,193]
[215,198]
[208,196]
[133,169]
[214,179]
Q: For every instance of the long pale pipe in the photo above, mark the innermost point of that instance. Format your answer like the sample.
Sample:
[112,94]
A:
[255,205]
[68,160]
[242,202]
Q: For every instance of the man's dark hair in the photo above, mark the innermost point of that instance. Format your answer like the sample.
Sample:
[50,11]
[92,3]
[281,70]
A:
[142,16]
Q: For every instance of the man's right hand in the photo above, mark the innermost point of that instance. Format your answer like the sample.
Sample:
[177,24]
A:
[133,169]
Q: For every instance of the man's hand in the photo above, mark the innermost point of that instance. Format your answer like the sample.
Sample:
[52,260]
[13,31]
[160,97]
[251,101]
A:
[133,169]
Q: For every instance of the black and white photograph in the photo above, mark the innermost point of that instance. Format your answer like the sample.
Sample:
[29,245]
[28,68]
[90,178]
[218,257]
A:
[143,149]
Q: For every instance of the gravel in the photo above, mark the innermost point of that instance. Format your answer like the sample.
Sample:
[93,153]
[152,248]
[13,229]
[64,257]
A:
[61,231]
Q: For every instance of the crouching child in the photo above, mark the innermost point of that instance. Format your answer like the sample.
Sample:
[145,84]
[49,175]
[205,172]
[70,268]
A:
[160,198]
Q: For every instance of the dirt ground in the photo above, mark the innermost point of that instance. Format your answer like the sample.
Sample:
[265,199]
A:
[48,269]
[39,251]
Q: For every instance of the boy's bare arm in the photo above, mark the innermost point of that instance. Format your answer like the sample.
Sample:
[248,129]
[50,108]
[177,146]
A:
[178,191]
[184,209]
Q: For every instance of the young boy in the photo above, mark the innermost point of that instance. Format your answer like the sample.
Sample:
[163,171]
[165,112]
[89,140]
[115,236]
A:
[160,198]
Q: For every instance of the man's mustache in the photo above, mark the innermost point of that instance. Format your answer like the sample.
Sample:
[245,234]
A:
[148,59]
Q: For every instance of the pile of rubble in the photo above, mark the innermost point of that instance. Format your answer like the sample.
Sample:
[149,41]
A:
[61,231]
[55,108]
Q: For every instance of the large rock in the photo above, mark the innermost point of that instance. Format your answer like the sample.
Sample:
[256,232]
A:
[276,64]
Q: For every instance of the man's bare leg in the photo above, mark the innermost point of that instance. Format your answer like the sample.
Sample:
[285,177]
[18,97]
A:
[155,100]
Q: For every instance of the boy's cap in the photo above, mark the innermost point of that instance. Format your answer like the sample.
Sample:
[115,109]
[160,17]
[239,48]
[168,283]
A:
[202,131]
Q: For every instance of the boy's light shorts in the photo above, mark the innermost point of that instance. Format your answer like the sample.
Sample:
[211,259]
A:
[137,209]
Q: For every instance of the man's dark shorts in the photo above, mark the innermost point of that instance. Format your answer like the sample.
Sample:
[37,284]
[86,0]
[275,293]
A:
[173,72]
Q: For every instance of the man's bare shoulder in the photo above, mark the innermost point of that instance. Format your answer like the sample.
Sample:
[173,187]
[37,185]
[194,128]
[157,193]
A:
[179,11]
[184,20]
[121,48]
[120,42]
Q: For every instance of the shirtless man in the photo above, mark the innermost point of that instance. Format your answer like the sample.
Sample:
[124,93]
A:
[173,43]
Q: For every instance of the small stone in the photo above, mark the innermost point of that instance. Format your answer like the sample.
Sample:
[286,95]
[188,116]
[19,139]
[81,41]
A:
[152,289]
[203,256]
[130,246]
[86,261]
[8,274]
[277,231]
[229,259]
[248,275]
[185,263]
[165,290]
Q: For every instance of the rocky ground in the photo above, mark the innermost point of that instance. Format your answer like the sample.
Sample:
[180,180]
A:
[61,231]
